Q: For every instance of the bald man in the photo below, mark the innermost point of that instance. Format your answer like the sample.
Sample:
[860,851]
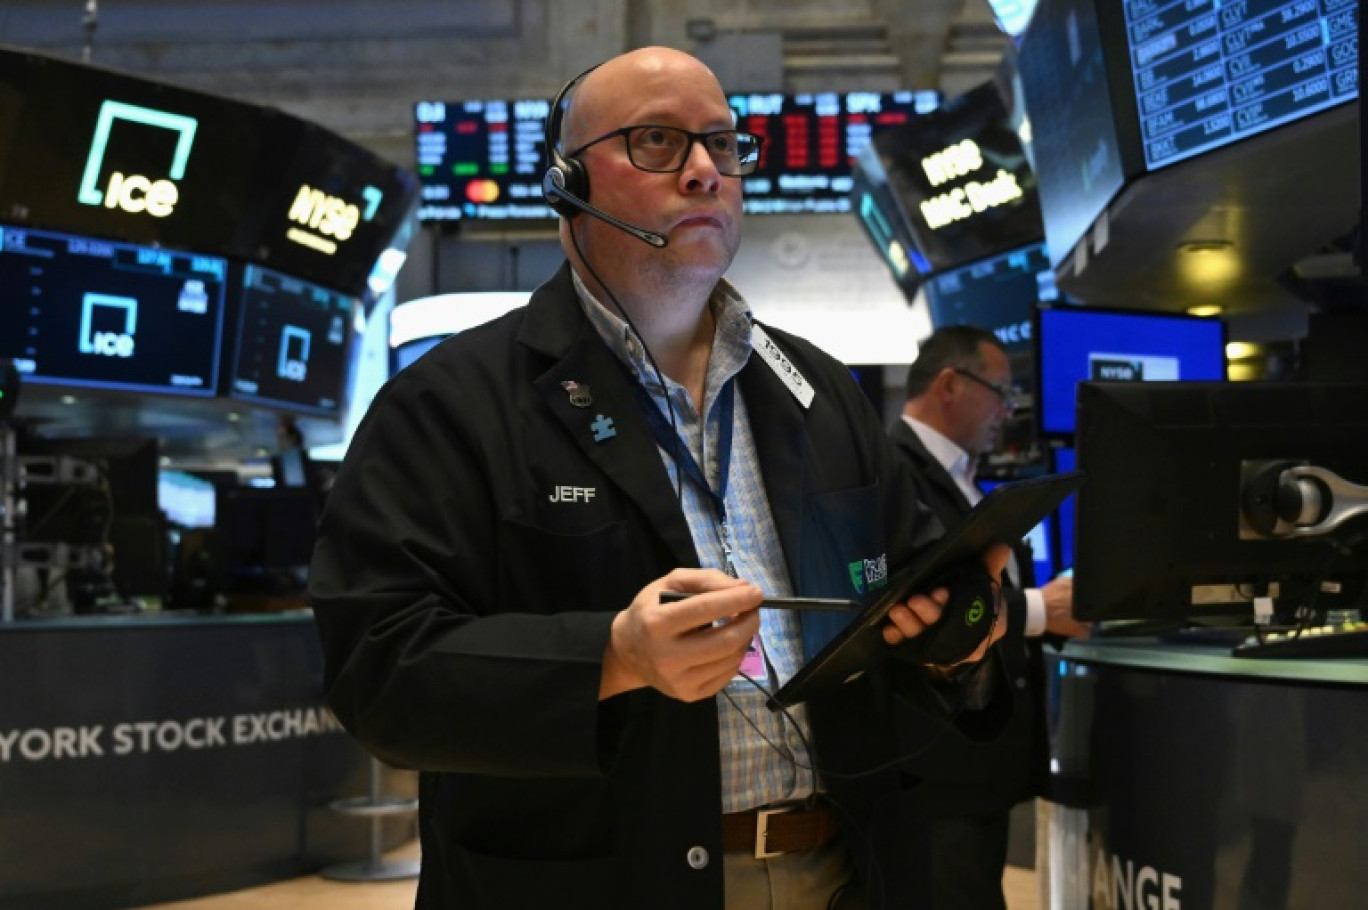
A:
[489,573]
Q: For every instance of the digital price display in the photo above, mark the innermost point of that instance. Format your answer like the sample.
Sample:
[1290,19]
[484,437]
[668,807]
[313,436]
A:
[999,293]
[482,159]
[811,142]
[292,344]
[95,313]
[1208,73]
[485,159]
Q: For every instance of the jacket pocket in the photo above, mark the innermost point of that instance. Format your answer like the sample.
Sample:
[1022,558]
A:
[543,571]
[843,548]
[504,883]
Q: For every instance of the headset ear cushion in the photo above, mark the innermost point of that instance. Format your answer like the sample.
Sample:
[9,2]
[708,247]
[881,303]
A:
[574,181]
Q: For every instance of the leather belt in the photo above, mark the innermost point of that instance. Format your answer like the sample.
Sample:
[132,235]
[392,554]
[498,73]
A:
[778,829]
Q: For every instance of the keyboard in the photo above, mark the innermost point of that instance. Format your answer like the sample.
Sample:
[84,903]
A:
[1346,640]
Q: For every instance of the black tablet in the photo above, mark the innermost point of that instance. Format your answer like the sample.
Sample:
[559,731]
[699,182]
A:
[1005,515]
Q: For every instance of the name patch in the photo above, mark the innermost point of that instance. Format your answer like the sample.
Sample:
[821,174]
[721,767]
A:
[572,494]
[778,361]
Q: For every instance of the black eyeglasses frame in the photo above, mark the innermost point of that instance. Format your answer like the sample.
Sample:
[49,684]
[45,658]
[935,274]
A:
[747,165]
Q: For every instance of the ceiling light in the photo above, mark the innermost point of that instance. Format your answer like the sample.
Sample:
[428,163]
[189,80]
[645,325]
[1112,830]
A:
[1206,309]
[1205,246]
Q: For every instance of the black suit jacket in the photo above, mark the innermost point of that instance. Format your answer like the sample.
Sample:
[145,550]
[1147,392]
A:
[961,776]
[464,607]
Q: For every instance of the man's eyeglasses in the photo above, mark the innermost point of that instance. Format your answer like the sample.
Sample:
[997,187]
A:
[664,149]
[1005,393]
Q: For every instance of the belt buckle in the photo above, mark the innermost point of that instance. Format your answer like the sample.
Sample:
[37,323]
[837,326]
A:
[762,817]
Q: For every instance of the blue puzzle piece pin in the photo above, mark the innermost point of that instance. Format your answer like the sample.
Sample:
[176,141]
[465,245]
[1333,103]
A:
[603,428]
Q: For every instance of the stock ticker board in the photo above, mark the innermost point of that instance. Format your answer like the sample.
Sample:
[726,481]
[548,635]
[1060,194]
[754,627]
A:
[1207,74]
[485,159]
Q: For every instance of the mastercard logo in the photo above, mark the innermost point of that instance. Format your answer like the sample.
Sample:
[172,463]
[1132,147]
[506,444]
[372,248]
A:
[482,191]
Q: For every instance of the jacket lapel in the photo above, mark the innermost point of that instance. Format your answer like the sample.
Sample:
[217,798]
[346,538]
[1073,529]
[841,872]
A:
[929,468]
[777,425]
[610,430]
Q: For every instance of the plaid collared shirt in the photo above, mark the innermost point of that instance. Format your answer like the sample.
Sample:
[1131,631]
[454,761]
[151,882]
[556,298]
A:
[764,760]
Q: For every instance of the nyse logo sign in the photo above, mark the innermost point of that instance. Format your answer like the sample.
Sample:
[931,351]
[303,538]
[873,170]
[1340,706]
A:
[1127,370]
[106,343]
[293,363]
[322,221]
[974,196]
[136,193]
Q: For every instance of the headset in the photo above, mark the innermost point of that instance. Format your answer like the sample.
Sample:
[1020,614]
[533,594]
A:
[565,186]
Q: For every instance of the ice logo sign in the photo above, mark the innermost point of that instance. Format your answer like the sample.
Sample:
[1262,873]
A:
[294,353]
[136,193]
[106,343]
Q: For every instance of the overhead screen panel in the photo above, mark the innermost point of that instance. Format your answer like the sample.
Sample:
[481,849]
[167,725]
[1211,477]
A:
[293,341]
[812,141]
[961,181]
[484,160]
[81,311]
[331,212]
[104,154]
[1115,90]
[1208,74]
[998,293]
[1075,146]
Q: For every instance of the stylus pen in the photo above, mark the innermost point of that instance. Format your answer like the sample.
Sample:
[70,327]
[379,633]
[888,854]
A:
[827,604]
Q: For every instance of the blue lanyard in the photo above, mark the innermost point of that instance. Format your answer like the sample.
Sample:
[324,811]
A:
[670,441]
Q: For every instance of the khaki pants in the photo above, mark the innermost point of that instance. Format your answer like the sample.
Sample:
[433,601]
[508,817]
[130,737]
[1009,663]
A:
[791,881]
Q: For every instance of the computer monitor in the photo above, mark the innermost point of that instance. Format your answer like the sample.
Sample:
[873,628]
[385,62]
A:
[1173,513]
[97,314]
[266,536]
[1080,343]
[1332,350]
[293,343]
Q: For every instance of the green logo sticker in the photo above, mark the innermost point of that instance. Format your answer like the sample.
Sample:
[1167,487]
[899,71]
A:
[857,578]
[975,612]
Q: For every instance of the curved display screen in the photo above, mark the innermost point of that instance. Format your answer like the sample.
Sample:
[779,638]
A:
[85,312]
[106,154]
